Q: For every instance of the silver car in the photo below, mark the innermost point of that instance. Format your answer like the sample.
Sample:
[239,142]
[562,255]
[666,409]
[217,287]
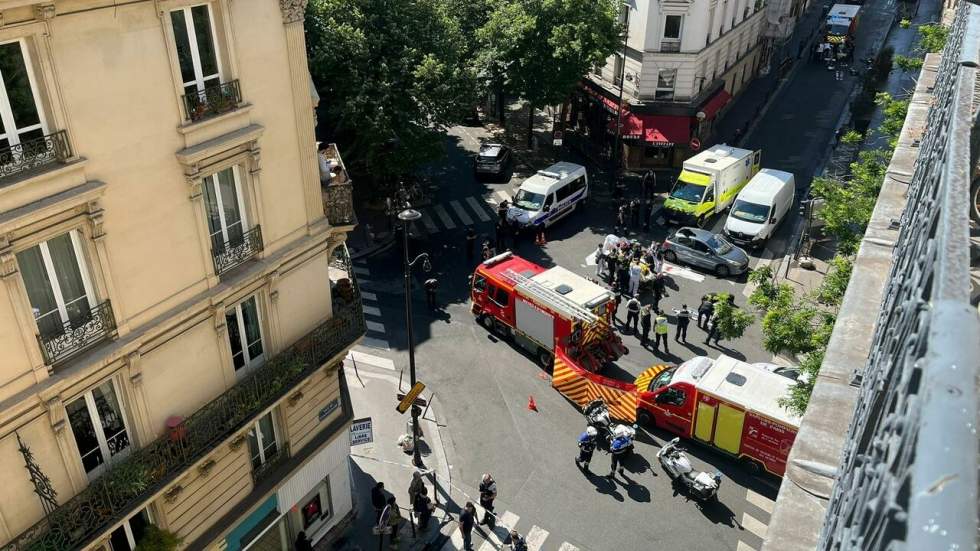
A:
[704,249]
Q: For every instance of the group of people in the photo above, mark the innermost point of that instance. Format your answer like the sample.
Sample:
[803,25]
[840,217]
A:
[587,443]
[505,235]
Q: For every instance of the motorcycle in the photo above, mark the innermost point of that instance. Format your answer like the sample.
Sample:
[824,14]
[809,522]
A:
[699,484]
[597,415]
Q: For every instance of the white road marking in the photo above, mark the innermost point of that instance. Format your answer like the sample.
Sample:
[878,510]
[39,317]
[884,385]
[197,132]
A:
[467,221]
[444,216]
[590,260]
[481,212]
[375,326]
[495,539]
[742,546]
[371,310]
[680,271]
[760,501]
[363,281]
[370,359]
[369,295]
[535,538]
[430,226]
[503,195]
[372,342]
[361,270]
[754,525]
[565,546]
[455,542]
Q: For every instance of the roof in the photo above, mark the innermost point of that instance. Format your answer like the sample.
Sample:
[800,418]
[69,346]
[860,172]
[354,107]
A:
[499,264]
[743,383]
[761,187]
[843,10]
[573,287]
[718,157]
[542,180]
[491,150]
[699,234]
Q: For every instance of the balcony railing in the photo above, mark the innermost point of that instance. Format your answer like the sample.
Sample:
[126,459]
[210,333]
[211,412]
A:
[670,46]
[34,153]
[212,101]
[127,485]
[78,335]
[262,471]
[236,251]
[338,203]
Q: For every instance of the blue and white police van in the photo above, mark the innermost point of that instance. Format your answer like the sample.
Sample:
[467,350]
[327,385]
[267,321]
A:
[548,196]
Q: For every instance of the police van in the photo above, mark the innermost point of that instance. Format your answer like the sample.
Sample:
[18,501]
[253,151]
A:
[549,195]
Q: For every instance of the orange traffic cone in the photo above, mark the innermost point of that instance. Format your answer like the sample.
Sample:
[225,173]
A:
[531,406]
[540,240]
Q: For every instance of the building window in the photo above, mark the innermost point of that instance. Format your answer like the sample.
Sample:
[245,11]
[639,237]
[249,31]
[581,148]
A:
[19,99]
[129,534]
[262,442]
[99,427]
[711,25]
[618,70]
[197,52]
[245,334]
[671,41]
[58,285]
[225,207]
[665,83]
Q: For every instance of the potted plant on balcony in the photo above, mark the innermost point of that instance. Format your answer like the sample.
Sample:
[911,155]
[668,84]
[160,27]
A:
[158,539]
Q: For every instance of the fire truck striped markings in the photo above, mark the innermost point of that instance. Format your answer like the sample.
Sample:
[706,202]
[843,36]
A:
[444,216]
[481,212]
[754,525]
[760,501]
[429,224]
[535,538]
[467,221]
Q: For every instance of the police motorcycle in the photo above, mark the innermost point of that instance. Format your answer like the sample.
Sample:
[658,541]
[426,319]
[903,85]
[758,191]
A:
[597,416]
[699,484]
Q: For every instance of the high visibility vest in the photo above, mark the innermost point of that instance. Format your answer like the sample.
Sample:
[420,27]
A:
[661,325]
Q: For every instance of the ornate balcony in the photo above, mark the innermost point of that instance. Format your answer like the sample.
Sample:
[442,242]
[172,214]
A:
[78,335]
[336,188]
[236,251]
[212,101]
[34,153]
[127,485]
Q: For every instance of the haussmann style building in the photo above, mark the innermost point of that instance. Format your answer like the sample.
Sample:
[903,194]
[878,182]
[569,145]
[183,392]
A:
[174,292]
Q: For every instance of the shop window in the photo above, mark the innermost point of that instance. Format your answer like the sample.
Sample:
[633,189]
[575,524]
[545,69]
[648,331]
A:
[666,79]
[129,534]
[99,427]
[245,334]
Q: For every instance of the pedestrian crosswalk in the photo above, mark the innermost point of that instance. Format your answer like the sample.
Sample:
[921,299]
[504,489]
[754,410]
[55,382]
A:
[376,335]
[460,213]
[484,539]
[754,521]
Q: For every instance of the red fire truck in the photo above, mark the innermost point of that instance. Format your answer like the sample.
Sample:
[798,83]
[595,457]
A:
[727,404]
[546,308]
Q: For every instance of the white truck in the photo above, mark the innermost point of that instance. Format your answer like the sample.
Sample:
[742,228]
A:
[709,182]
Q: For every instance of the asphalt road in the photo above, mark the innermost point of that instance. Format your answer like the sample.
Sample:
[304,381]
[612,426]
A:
[482,385]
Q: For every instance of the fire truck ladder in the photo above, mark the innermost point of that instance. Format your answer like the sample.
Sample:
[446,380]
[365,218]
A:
[552,298]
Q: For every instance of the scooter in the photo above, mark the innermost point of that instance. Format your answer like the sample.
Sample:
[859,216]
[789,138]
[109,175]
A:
[699,484]
[597,415]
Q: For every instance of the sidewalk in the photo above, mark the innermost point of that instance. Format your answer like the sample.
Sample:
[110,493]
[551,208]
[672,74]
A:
[372,392]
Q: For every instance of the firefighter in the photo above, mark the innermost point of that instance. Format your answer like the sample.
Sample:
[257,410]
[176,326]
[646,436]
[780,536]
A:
[586,446]
[632,313]
[488,492]
[646,314]
[683,319]
[660,329]
[431,285]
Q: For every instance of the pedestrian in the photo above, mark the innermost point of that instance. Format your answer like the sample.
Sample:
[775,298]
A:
[683,319]
[466,521]
[645,211]
[660,329]
[502,210]
[714,332]
[586,446]
[302,542]
[423,508]
[634,272]
[646,314]
[501,237]
[488,492]
[618,298]
[416,486]
[394,521]
[599,259]
[378,499]
[431,285]
[470,243]
[705,311]
[633,313]
[635,214]
[659,289]
[623,275]
[487,253]
[621,221]
[517,542]
[617,449]
[738,136]
[648,184]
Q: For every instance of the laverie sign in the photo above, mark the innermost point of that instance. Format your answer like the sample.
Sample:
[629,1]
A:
[361,432]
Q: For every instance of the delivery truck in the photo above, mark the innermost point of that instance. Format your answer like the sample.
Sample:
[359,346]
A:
[726,404]
[708,184]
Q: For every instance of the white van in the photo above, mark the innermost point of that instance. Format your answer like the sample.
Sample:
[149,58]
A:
[549,195]
[759,208]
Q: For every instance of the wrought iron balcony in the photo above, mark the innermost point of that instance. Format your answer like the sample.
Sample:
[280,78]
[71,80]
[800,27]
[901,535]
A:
[78,335]
[236,251]
[262,471]
[212,101]
[127,485]
[34,153]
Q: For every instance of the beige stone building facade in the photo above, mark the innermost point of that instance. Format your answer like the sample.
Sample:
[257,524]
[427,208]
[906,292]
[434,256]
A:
[174,292]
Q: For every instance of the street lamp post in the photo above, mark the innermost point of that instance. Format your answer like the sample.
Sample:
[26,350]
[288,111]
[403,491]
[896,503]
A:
[622,86]
[407,216]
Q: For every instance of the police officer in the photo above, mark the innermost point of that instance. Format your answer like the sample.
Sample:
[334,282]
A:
[617,448]
[488,492]
[632,313]
[586,445]
[661,328]
[683,319]
[502,210]
[431,285]
[646,314]
[705,311]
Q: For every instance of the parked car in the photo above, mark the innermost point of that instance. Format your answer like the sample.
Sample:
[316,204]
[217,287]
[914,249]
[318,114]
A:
[494,159]
[707,250]
[788,372]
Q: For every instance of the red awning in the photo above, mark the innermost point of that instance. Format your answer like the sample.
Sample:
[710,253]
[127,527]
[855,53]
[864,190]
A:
[717,101]
[653,129]
[611,106]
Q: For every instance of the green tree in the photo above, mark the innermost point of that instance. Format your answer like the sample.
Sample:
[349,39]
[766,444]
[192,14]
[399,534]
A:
[834,284]
[799,394]
[732,321]
[538,50]
[932,38]
[388,69]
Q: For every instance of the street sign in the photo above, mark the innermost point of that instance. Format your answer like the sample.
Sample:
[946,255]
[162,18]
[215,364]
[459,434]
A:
[557,140]
[409,398]
[695,144]
[361,432]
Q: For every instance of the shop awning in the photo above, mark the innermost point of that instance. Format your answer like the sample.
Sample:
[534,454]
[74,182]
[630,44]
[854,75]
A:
[655,130]
[717,101]
[610,105]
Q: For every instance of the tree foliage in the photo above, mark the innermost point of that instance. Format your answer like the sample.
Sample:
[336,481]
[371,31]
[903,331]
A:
[388,69]
[799,394]
[732,321]
[932,38]
[834,284]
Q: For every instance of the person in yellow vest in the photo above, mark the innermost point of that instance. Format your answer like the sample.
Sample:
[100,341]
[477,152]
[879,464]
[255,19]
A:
[660,329]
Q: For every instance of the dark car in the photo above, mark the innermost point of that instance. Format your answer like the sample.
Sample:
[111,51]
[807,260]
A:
[494,159]
[704,249]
